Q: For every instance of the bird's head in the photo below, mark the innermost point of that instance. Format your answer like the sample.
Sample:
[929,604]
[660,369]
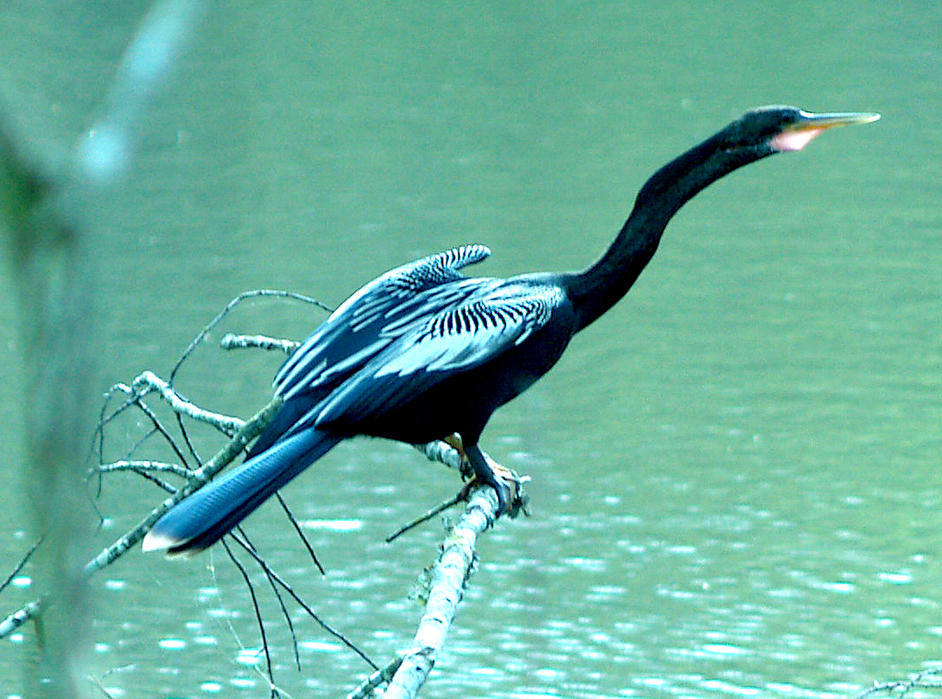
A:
[780,128]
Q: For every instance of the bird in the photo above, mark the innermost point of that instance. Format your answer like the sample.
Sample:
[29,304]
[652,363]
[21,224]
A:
[424,352]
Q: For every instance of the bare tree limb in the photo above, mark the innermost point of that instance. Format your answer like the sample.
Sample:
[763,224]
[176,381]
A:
[442,452]
[449,575]
[274,577]
[376,680]
[233,449]
[204,333]
[19,617]
[231,341]
[149,381]
[446,589]
[139,465]
[28,611]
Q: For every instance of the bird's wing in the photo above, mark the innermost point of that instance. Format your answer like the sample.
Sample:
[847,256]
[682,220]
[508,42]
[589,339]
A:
[353,333]
[429,347]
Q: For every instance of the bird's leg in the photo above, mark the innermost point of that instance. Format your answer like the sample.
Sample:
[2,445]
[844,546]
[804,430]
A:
[476,463]
[454,441]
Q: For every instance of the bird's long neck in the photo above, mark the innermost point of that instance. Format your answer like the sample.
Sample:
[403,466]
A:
[600,286]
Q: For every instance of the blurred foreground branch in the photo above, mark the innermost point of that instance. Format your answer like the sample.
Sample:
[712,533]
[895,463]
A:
[44,200]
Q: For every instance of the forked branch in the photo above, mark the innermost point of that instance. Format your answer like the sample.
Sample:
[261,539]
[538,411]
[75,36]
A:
[408,672]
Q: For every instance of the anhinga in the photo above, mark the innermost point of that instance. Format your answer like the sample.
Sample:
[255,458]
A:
[423,352]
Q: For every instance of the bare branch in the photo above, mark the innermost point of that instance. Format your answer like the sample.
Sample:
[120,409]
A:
[19,617]
[297,598]
[258,612]
[198,479]
[28,611]
[231,341]
[446,589]
[449,574]
[442,452]
[138,465]
[374,681]
[148,381]
[423,518]
[19,566]
[201,336]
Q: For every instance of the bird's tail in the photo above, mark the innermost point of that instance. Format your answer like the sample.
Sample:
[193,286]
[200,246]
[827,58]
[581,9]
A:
[210,513]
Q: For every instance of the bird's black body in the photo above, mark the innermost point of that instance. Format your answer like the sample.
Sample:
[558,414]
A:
[423,351]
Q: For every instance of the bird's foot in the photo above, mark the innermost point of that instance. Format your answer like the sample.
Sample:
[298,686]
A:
[511,496]
[483,470]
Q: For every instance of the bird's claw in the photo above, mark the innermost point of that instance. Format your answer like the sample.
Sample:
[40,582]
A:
[511,495]
[483,470]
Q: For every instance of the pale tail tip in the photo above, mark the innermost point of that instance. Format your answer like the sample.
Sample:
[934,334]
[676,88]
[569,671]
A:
[158,542]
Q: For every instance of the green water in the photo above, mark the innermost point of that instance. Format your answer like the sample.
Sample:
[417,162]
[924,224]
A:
[735,473]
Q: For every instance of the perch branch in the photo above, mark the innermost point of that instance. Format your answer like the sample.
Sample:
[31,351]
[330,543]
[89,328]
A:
[442,452]
[407,673]
[448,578]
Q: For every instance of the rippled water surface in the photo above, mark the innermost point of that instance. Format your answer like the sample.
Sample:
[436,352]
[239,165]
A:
[735,474]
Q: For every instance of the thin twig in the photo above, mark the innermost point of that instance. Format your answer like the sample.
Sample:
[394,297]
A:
[163,485]
[311,613]
[421,519]
[149,381]
[138,465]
[201,336]
[258,612]
[300,533]
[21,564]
[231,341]
[281,601]
[27,611]
[204,333]
[137,401]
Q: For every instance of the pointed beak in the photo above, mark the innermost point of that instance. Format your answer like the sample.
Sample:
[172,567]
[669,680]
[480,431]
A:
[798,135]
[828,120]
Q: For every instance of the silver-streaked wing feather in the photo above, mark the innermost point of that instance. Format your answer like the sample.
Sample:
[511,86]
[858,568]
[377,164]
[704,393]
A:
[460,338]
[352,333]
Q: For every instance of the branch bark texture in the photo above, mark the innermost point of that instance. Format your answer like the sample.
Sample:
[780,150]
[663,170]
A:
[446,589]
